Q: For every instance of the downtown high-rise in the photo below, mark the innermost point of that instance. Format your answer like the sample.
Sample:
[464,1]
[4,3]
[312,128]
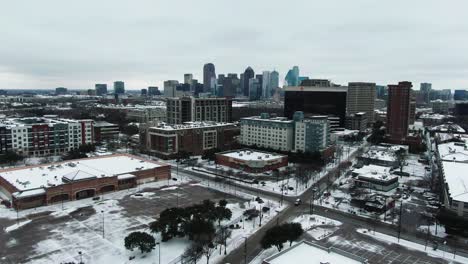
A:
[209,77]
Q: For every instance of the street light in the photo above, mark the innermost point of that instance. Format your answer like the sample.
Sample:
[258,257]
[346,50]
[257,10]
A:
[159,252]
[62,197]
[102,211]
[245,250]
[81,257]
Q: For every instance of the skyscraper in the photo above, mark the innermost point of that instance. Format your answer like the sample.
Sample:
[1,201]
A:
[170,88]
[274,82]
[101,89]
[425,92]
[153,90]
[292,77]
[208,74]
[248,74]
[188,78]
[254,87]
[266,87]
[398,110]
[119,87]
[361,98]
[459,95]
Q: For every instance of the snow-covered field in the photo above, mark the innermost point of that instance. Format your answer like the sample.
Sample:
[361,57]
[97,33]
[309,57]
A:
[443,251]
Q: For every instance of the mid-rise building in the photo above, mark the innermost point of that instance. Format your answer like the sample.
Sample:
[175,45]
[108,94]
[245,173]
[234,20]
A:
[440,107]
[302,134]
[119,87]
[105,131]
[425,90]
[192,109]
[460,95]
[101,89]
[398,110]
[165,141]
[255,87]
[361,99]
[188,77]
[147,114]
[153,90]
[61,90]
[41,136]
[357,121]
[316,100]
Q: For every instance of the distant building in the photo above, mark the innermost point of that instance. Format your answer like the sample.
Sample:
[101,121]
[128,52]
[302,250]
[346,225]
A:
[42,136]
[292,77]
[398,110]
[248,74]
[166,141]
[61,90]
[101,89]
[460,95]
[105,131]
[147,114]
[209,74]
[188,77]
[381,92]
[153,90]
[266,85]
[412,108]
[170,88]
[274,82]
[144,92]
[254,89]
[316,83]
[440,107]
[313,100]
[382,155]
[425,90]
[361,99]
[192,109]
[119,87]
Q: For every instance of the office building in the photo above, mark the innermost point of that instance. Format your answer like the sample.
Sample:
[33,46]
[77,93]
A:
[42,136]
[361,99]
[61,90]
[440,107]
[381,92]
[101,89]
[460,95]
[165,141]
[144,92]
[249,160]
[357,121]
[188,77]
[266,85]
[153,90]
[316,83]
[398,110]
[292,77]
[105,131]
[119,87]
[170,88]
[255,88]
[209,74]
[274,82]
[316,100]
[412,113]
[425,90]
[191,109]
[311,133]
[248,74]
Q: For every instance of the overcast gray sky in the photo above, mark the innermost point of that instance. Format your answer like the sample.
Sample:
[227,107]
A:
[51,43]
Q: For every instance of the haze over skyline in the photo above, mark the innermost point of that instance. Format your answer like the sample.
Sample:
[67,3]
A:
[51,43]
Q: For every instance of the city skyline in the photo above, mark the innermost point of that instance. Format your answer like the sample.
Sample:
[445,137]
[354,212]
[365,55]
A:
[146,44]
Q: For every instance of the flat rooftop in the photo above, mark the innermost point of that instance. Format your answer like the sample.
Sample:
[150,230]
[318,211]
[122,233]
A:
[307,253]
[449,128]
[248,155]
[453,151]
[456,179]
[189,125]
[269,119]
[49,175]
[376,172]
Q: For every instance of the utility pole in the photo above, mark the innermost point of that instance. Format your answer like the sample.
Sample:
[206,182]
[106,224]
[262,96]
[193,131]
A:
[399,223]
[312,203]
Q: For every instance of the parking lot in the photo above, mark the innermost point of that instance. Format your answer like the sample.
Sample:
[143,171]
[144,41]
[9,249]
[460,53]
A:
[95,228]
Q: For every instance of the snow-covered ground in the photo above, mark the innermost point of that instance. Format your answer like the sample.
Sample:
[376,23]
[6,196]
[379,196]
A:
[317,226]
[438,231]
[443,252]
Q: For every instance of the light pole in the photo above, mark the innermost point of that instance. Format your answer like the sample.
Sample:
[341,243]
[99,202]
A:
[81,257]
[312,203]
[102,211]
[399,224]
[159,252]
[62,197]
[245,250]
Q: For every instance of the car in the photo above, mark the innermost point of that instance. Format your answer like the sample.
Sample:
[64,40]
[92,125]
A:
[298,202]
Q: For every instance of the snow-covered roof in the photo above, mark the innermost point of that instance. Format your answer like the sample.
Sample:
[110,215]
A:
[383,152]
[453,151]
[247,155]
[126,176]
[456,179]
[50,175]
[448,127]
[29,193]
[309,253]
[376,172]
[189,125]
